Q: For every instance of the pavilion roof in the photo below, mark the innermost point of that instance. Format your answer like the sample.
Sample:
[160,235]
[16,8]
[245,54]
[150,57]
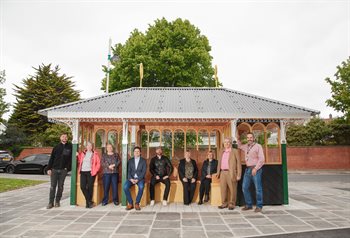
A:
[178,102]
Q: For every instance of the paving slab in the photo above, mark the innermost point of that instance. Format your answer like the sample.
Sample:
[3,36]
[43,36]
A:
[313,206]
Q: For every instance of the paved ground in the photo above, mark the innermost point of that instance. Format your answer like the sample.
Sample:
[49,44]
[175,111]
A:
[319,202]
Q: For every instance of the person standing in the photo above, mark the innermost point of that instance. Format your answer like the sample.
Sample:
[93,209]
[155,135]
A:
[59,164]
[208,169]
[89,164]
[188,173]
[254,159]
[136,174]
[160,168]
[229,171]
[110,162]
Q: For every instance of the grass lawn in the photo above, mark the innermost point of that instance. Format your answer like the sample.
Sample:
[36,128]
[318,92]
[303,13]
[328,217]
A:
[7,184]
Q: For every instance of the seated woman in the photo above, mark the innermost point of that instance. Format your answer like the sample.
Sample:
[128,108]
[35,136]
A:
[88,166]
[208,169]
[188,173]
[110,162]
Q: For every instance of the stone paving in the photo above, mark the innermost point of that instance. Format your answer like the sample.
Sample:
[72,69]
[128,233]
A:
[313,206]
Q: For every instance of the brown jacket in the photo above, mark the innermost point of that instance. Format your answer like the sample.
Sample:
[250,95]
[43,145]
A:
[234,164]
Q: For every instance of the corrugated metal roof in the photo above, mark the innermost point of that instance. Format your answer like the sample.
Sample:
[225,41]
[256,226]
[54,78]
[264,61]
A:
[186,102]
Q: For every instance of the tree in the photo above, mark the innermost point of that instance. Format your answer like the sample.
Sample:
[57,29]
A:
[46,88]
[51,136]
[13,138]
[315,132]
[4,107]
[340,87]
[174,54]
[340,132]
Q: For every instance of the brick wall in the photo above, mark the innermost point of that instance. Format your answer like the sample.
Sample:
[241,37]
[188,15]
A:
[301,158]
[34,150]
[318,157]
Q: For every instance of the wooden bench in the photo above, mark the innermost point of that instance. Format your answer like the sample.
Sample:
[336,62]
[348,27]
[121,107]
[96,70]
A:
[175,194]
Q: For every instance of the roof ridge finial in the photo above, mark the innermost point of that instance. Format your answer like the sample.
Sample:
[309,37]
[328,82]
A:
[141,74]
[216,76]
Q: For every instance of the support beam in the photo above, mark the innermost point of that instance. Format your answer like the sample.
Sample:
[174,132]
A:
[284,161]
[124,157]
[133,137]
[233,132]
[74,126]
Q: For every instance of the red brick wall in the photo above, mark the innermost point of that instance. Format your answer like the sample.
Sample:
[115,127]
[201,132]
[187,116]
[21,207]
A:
[318,157]
[35,150]
[302,158]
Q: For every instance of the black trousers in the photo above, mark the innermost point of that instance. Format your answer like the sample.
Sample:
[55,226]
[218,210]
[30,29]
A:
[87,185]
[189,189]
[154,181]
[204,188]
[57,180]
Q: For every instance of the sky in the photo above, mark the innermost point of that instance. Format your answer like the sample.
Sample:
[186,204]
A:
[281,50]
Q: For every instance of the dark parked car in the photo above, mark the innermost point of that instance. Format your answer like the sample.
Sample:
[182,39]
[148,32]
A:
[5,159]
[31,164]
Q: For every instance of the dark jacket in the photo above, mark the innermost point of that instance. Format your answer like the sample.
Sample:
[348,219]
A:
[182,169]
[213,168]
[161,167]
[140,170]
[61,157]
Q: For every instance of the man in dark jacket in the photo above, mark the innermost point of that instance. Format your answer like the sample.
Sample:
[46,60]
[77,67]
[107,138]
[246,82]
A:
[136,175]
[59,164]
[160,168]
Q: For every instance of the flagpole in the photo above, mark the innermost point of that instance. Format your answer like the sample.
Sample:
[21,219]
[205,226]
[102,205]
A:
[108,64]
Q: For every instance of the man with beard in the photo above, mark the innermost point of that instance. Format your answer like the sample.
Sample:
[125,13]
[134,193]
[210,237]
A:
[160,168]
[59,164]
[254,159]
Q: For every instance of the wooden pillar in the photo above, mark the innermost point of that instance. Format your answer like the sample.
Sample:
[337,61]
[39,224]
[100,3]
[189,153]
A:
[124,157]
[234,132]
[74,125]
[133,138]
[284,161]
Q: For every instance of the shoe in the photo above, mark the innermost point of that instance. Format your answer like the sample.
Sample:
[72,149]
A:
[222,206]
[57,204]
[137,207]
[129,207]
[200,203]
[165,203]
[89,205]
[246,208]
[206,198]
[116,203]
[152,203]
[49,206]
[231,207]
[258,209]
[104,204]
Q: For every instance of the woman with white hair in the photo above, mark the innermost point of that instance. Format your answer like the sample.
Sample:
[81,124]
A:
[88,166]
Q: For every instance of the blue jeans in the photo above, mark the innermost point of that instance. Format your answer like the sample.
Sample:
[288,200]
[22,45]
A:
[247,181]
[128,185]
[109,179]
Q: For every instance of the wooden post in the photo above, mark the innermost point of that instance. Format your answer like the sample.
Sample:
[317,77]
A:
[74,125]
[284,162]
[124,157]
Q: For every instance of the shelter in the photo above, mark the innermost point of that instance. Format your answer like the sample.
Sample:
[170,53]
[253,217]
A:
[183,118]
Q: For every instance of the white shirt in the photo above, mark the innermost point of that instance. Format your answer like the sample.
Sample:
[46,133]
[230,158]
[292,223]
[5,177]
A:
[137,160]
[86,166]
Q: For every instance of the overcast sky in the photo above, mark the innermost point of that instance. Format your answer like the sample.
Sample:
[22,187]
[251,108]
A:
[277,49]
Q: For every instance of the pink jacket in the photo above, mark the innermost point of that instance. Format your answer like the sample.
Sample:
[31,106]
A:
[95,162]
